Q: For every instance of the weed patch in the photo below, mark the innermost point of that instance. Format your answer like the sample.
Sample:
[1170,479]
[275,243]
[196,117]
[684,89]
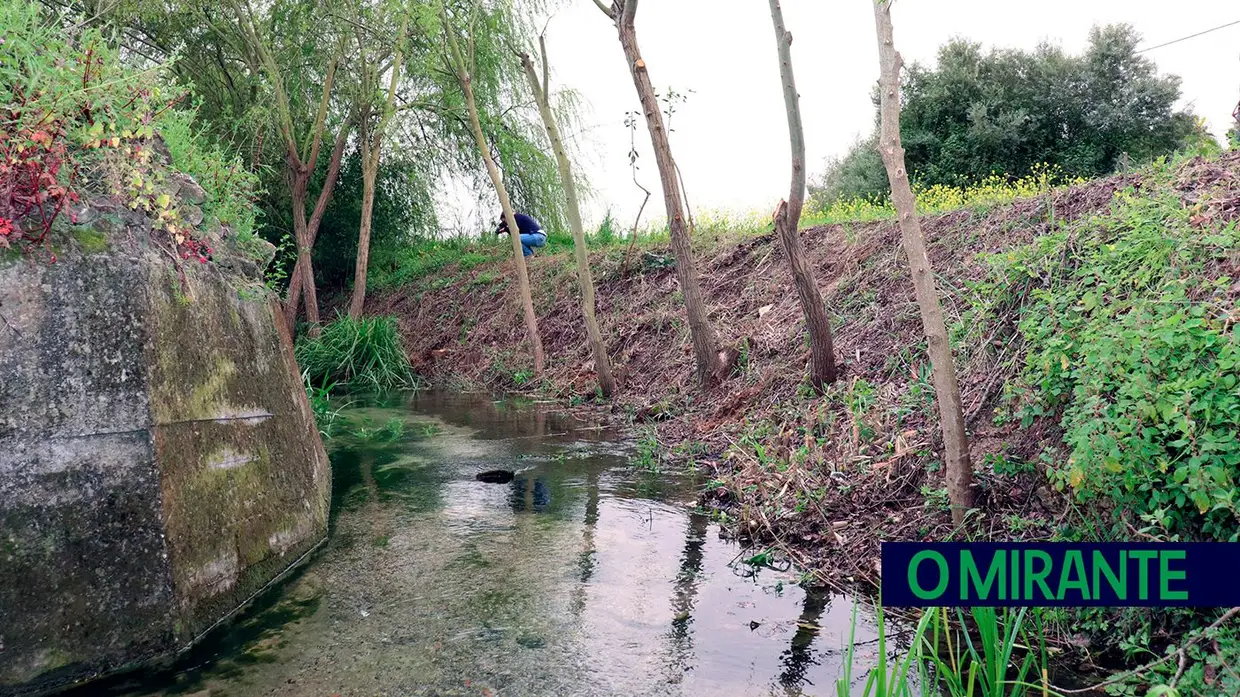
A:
[365,354]
[1131,343]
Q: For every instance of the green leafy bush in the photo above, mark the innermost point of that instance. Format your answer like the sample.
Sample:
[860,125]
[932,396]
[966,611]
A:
[1132,343]
[230,187]
[365,354]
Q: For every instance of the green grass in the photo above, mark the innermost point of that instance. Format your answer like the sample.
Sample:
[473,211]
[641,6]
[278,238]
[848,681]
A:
[326,415]
[986,652]
[394,267]
[365,354]
[417,261]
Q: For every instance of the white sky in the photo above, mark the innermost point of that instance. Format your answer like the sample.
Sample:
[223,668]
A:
[730,137]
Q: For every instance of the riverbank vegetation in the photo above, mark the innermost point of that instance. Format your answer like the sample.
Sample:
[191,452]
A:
[1113,297]
[81,121]
[361,354]
[1082,249]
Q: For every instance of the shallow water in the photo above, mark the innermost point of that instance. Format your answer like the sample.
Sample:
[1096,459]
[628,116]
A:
[582,576]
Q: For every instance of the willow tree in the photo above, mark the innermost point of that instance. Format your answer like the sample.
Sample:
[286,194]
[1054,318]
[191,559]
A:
[711,363]
[788,216]
[301,155]
[959,468]
[542,97]
[374,115]
[461,63]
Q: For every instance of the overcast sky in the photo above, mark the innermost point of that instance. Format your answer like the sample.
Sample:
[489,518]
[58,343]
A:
[730,137]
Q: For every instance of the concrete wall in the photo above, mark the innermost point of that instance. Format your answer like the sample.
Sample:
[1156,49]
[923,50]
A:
[159,462]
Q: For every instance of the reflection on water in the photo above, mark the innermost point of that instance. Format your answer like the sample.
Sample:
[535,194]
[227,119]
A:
[580,576]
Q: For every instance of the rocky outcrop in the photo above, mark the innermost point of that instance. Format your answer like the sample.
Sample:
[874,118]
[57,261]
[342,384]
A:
[159,462]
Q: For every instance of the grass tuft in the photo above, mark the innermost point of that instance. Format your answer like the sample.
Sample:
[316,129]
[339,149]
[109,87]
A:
[365,354]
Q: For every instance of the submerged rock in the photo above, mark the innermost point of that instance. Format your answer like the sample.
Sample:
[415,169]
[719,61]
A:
[495,476]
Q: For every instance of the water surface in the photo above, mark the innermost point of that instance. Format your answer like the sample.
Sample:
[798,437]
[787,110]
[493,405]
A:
[582,576]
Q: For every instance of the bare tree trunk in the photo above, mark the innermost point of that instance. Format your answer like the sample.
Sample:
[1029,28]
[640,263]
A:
[370,172]
[523,279]
[303,268]
[947,393]
[788,216]
[711,364]
[301,282]
[602,363]
[372,142]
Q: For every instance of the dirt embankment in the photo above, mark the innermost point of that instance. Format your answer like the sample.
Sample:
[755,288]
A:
[824,477]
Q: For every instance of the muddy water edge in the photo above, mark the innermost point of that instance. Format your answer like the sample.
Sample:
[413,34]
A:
[583,575]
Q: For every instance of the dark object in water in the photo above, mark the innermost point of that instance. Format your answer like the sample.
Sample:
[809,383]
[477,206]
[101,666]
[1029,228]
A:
[495,476]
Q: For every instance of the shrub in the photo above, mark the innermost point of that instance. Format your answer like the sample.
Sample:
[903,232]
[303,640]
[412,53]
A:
[231,188]
[365,354]
[1132,344]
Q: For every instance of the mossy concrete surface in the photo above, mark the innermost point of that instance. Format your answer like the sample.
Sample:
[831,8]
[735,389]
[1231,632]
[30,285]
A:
[159,462]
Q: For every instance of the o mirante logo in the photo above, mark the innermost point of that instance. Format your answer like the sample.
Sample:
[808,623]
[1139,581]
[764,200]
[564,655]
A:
[1060,574]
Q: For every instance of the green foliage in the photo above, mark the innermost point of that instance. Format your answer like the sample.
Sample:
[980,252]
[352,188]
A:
[390,432]
[857,176]
[403,213]
[78,117]
[649,453]
[940,198]
[428,141]
[888,678]
[608,233]
[231,188]
[1003,466]
[1132,344]
[1208,668]
[365,354]
[487,32]
[995,659]
[393,266]
[977,114]
[326,414]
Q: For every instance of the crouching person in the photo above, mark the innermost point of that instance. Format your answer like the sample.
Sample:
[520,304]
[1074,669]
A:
[531,232]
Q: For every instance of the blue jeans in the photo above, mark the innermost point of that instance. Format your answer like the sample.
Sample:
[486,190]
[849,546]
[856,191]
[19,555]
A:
[536,239]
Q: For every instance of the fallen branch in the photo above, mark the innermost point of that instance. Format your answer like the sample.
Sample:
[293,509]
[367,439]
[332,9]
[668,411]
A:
[1181,652]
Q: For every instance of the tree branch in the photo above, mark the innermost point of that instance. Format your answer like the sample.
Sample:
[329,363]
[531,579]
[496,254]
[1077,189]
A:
[321,118]
[333,171]
[606,10]
[388,109]
[796,133]
[246,21]
[630,11]
[546,73]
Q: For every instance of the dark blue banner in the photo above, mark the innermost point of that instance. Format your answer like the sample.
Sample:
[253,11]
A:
[1061,574]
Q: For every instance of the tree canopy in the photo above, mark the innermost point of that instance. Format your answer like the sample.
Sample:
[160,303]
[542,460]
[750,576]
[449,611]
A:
[1006,111]
[429,141]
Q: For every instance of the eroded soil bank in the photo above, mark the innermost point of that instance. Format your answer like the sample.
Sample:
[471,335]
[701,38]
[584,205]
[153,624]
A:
[470,333]
[828,476]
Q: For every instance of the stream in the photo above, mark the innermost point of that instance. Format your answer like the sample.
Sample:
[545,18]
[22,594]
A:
[583,575]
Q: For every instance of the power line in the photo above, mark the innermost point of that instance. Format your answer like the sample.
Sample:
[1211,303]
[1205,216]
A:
[1190,36]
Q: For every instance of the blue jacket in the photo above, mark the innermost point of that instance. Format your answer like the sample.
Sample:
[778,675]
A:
[525,224]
